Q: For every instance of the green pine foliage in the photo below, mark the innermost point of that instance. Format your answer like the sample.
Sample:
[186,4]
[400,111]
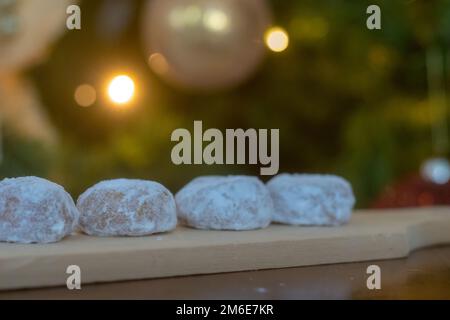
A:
[347,100]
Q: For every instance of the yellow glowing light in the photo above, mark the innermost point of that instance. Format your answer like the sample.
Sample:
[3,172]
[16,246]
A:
[85,95]
[215,20]
[121,89]
[277,39]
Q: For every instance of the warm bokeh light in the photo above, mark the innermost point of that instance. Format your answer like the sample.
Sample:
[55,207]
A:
[216,20]
[158,63]
[121,89]
[85,95]
[277,39]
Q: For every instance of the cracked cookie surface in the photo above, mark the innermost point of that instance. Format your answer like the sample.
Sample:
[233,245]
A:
[35,210]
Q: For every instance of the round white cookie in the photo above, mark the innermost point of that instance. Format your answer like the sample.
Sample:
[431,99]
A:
[225,203]
[126,207]
[35,210]
[311,200]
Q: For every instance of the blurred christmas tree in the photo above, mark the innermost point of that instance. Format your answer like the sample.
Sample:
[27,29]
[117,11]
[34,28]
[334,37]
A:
[347,100]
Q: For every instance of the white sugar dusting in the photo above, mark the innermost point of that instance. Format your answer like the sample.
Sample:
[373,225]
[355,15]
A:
[303,199]
[35,210]
[225,203]
[125,207]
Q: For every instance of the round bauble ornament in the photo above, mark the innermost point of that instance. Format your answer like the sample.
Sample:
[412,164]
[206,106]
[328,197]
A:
[205,44]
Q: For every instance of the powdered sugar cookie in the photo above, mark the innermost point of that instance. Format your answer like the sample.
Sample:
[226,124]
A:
[34,210]
[304,199]
[225,203]
[127,208]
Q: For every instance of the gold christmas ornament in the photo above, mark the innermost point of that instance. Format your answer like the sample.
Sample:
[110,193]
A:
[205,44]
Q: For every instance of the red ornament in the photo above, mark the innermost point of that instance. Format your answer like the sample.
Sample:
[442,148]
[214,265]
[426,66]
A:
[414,191]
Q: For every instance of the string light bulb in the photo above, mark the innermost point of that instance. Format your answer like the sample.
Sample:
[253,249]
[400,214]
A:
[121,89]
[277,39]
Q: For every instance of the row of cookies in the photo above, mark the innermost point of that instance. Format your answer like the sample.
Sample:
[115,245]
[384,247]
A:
[35,210]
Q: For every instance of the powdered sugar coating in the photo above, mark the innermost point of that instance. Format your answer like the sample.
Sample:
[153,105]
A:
[225,203]
[125,207]
[35,210]
[304,199]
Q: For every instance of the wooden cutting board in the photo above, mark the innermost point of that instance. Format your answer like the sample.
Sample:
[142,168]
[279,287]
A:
[371,235]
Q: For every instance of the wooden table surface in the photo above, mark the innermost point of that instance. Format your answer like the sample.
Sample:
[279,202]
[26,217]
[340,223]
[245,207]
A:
[425,274]
[370,235]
